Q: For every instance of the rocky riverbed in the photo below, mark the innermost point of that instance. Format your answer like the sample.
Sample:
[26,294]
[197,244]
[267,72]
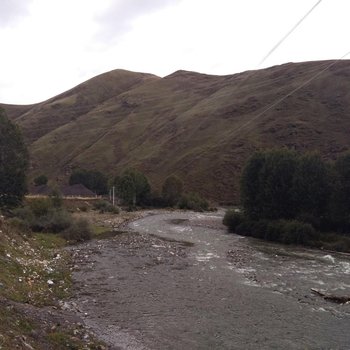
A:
[179,281]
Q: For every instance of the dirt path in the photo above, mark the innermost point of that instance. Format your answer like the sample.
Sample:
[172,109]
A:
[141,290]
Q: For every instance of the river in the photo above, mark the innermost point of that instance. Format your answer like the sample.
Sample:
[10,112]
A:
[179,281]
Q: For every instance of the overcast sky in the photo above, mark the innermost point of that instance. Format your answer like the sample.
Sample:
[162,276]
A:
[49,46]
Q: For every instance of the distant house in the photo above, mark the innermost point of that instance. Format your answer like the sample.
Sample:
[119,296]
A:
[77,190]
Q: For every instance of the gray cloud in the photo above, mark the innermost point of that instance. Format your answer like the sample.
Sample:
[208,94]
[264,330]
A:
[116,21]
[12,10]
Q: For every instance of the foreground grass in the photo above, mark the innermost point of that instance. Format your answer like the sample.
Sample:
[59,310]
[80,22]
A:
[34,276]
[32,271]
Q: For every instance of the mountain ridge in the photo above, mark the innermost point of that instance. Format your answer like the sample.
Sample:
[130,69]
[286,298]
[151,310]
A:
[198,126]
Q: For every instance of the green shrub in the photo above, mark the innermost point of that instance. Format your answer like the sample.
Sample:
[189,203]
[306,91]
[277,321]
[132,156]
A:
[287,232]
[56,199]
[232,219]
[172,190]
[105,207]
[20,224]
[290,232]
[41,180]
[59,220]
[40,206]
[131,208]
[25,214]
[193,201]
[244,228]
[338,243]
[79,231]
[316,222]
[259,228]
[114,210]
[41,216]
[156,200]
[296,232]
[56,220]
[274,230]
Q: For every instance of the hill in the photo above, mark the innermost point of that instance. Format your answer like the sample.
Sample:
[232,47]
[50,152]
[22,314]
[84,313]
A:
[200,127]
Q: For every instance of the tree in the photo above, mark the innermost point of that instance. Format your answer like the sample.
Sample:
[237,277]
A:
[267,185]
[92,179]
[99,182]
[56,198]
[79,176]
[140,187]
[312,188]
[127,190]
[340,203]
[41,180]
[13,163]
[251,186]
[172,190]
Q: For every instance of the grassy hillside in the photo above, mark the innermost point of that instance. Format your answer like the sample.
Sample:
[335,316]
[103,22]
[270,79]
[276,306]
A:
[198,126]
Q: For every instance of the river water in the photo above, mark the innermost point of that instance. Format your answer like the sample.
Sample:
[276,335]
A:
[210,289]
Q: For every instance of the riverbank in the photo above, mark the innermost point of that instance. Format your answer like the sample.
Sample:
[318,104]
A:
[177,280]
[34,277]
[35,281]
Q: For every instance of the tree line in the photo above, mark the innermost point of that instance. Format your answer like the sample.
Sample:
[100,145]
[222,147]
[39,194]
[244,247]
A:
[291,197]
[13,163]
[133,189]
[132,186]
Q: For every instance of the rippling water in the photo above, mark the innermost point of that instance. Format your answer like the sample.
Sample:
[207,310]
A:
[224,292]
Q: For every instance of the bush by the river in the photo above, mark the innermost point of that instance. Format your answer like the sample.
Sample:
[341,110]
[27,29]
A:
[232,219]
[43,215]
[79,231]
[193,201]
[105,207]
[284,231]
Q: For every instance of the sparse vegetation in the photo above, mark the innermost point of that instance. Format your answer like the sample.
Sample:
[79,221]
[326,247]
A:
[193,201]
[79,231]
[105,207]
[41,216]
[172,190]
[34,273]
[47,215]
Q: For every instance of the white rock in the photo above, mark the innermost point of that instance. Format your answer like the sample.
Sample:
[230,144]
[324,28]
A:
[329,258]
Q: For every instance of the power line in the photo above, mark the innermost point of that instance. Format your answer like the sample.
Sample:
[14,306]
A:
[273,104]
[275,47]
[278,101]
